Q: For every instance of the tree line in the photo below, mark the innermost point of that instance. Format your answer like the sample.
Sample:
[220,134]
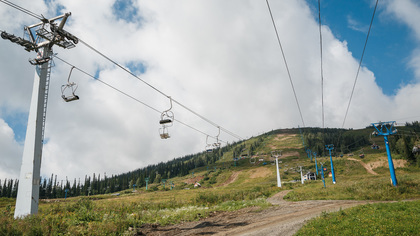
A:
[96,184]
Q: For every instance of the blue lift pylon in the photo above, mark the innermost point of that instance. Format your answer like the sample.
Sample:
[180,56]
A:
[330,147]
[316,165]
[385,129]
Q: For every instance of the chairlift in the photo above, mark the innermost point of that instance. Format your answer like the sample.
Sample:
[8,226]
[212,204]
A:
[374,145]
[167,117]
[166,120]
[361,153]
[209,147]
[217,144]
[164,133]
[71,87]
[416,147]
[253,159]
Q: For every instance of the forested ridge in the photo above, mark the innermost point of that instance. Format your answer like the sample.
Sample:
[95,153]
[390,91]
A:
[344,140]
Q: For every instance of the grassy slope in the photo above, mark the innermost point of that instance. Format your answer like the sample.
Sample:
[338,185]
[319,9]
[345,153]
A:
[108,214]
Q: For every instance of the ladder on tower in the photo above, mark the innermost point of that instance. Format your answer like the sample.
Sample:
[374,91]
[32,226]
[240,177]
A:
[47,86]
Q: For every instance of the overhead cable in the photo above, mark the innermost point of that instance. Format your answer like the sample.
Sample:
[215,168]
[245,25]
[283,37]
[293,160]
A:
[285,63]
[322,71]
[360,64]
[159,91]
[24,10]
[130,96]
[40,17]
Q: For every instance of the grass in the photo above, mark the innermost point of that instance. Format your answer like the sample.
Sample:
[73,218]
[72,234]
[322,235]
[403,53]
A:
[402,218]
[115,215]
[360,187]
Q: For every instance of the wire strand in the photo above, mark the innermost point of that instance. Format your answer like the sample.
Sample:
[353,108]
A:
[40,17]
[159,91]
[130,96]
[285,62]
[24,10]
[360,64]
[322,70]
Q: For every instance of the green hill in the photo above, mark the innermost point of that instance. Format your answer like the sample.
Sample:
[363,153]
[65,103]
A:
[226,184]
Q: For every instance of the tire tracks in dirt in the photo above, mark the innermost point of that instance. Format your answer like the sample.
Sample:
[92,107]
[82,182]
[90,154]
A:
[284,218]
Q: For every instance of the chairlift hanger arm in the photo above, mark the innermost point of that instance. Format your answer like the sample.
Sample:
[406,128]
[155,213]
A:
[65,16]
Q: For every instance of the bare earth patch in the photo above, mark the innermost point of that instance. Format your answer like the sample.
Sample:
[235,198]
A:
[282,138]
[284,218]
[366,166]
[383,162]
[290,154]
[194,180]
[231,179]
[260,173]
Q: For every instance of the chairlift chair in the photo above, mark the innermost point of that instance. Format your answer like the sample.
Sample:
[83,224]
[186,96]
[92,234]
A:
[416,147]
[209,147]
[166,120]
[164,133]
[217,144]
[70,86]
[361,154]
[252,160]
[374,145]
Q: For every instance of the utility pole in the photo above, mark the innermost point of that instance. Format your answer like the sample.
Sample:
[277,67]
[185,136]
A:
[41,38]
[330,147]
[277,154]
[385,129]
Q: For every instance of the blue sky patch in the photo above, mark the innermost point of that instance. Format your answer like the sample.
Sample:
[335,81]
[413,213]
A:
[17,121]
[125,10]
[136,67]
[389,46]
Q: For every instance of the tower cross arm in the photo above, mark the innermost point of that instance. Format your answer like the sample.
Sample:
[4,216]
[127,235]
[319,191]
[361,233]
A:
[384,128]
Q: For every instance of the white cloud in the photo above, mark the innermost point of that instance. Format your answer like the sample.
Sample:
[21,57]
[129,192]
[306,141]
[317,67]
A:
[356,25]
[221,59]
[10,152]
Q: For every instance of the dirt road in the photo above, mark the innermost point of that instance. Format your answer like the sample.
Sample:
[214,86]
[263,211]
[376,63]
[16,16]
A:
[367,167]
[284,218]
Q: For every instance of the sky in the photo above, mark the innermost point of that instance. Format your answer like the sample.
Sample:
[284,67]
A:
[220,59]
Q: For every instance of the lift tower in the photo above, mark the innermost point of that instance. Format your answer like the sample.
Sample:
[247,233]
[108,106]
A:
[41,38]
[385,129]
[330,147]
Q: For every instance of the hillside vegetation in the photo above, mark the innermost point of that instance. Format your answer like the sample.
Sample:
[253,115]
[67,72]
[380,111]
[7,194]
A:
[226,185]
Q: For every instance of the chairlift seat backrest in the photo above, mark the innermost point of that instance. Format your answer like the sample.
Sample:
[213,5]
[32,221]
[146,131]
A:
[165,121]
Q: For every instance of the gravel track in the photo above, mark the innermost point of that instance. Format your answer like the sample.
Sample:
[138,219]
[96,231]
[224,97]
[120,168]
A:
[284,218]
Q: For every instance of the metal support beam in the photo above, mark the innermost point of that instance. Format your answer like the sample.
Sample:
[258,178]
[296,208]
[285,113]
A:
[29,180]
